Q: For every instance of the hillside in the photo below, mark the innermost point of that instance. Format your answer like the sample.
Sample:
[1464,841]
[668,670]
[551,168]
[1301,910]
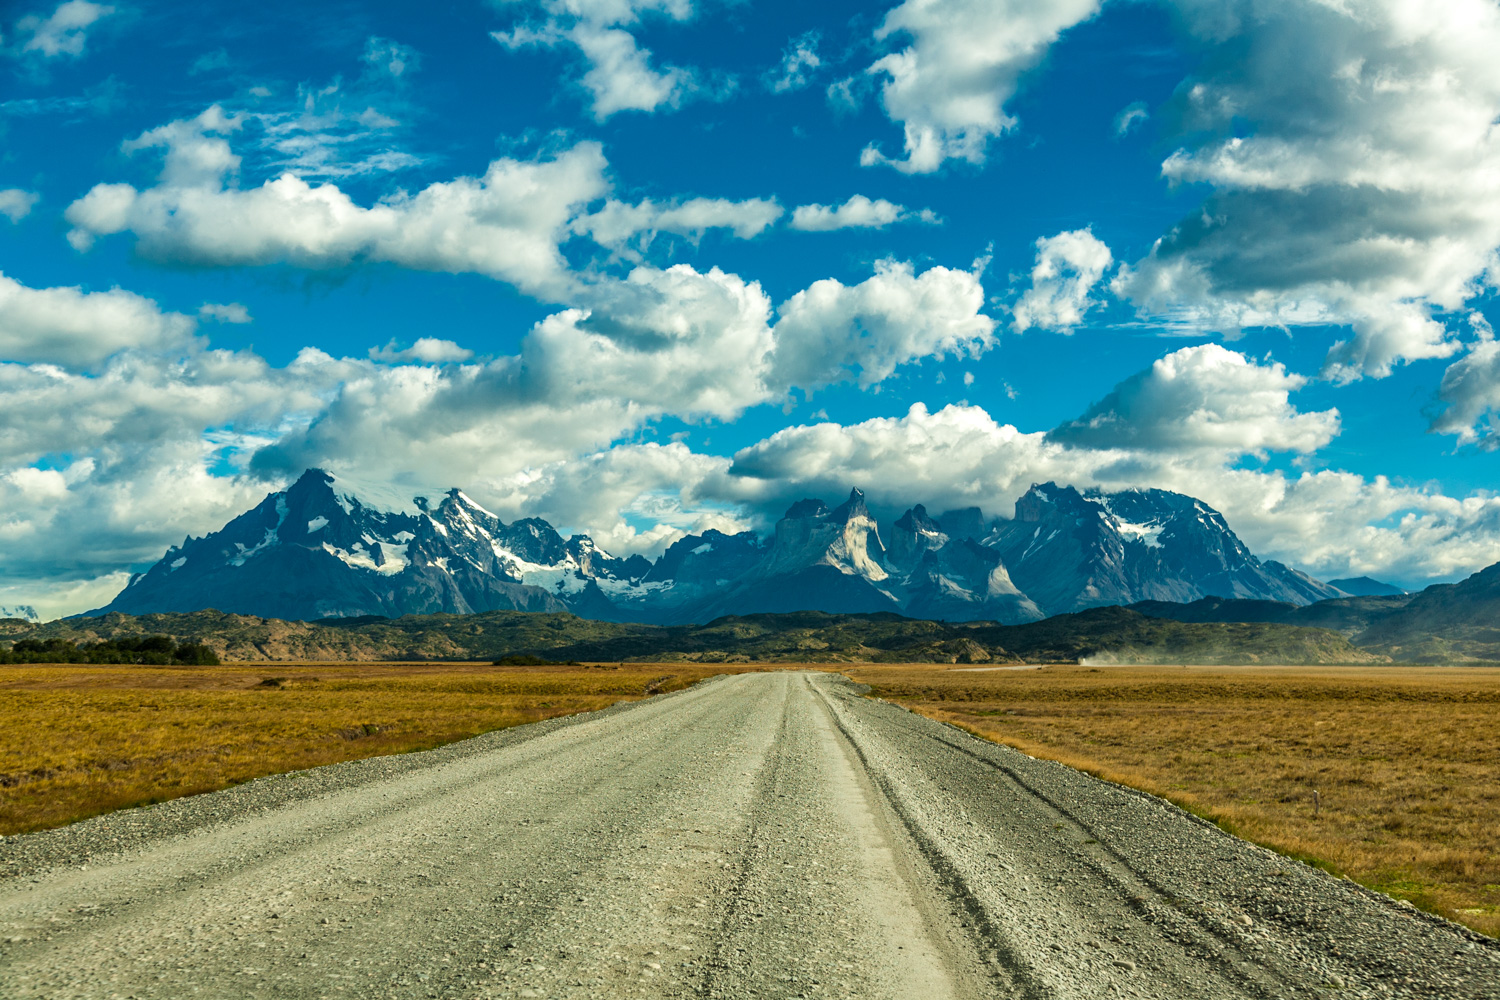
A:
[1446,623]
[1349,616]
[1119,635]
[818,637]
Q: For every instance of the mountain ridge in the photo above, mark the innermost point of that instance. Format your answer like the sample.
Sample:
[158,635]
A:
[1112,635]
[320,549]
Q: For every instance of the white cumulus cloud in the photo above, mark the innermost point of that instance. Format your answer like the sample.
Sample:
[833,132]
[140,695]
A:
[507,223]
[963,59]
[831,332]
[696,345]
[620,75]
[16,204]
[510,223]
[224,312]
[74,328]
[1203,398]
[675,341]
[858,212]
[1068,267]
[1350,149]
[426,350]
[617,223]
[1469,395]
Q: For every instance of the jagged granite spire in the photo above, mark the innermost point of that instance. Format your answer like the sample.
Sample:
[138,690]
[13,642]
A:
[851,508]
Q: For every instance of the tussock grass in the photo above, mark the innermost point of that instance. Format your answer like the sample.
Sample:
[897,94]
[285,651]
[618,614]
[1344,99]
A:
[84,740]
[1406,760]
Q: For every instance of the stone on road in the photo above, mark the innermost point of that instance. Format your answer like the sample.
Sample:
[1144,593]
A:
[763,835]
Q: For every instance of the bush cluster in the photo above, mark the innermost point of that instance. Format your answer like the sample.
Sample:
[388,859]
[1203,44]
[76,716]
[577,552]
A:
[155,650]
[528,660]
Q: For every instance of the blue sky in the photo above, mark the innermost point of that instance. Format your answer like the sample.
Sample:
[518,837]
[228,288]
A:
[648,266]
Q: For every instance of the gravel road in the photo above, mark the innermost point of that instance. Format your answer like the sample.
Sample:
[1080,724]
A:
[764,835]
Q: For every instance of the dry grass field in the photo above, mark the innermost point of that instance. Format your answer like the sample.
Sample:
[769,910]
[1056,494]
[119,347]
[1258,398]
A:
[1405,760]
[79,741]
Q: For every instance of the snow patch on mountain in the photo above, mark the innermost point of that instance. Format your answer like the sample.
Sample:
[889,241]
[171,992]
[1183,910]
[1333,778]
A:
[243,553]
[385,558]
[353,492]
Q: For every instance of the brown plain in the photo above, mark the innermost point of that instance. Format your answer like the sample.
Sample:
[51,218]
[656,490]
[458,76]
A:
[80,740]
[1405,760]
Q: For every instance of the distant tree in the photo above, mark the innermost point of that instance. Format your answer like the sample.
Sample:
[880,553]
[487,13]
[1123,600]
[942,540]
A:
[196,654]
[150,650]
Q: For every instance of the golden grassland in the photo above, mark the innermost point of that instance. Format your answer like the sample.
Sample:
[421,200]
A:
[1406,760]
[83,740]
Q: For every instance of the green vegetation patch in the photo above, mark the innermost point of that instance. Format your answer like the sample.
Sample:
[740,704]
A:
[151,650]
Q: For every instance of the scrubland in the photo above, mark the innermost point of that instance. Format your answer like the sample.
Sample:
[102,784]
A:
[83,740]
[1405,761]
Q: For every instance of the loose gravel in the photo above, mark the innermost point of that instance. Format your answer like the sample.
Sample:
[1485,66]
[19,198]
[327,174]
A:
[763,835]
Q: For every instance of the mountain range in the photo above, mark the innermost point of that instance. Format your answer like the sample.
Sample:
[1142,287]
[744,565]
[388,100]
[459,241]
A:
[328,548]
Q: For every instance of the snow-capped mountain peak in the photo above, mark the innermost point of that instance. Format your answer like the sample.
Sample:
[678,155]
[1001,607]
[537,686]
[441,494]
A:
[326,547]
[1069,550]
[319,549]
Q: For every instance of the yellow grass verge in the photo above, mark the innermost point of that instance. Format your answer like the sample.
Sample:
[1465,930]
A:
[79,741]
[1405,760]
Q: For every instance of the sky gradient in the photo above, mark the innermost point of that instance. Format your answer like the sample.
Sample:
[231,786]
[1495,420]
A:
[644,267]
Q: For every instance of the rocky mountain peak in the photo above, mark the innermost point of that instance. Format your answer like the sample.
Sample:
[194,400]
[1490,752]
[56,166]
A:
[707,558]
[805,508]
[1048,500]
[1070,550]
[851,508]
[913,534]
[916,520]
[845,538]
[311,481]
[535,541]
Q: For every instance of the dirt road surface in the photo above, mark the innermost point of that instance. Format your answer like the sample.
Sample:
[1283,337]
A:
[763,835]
